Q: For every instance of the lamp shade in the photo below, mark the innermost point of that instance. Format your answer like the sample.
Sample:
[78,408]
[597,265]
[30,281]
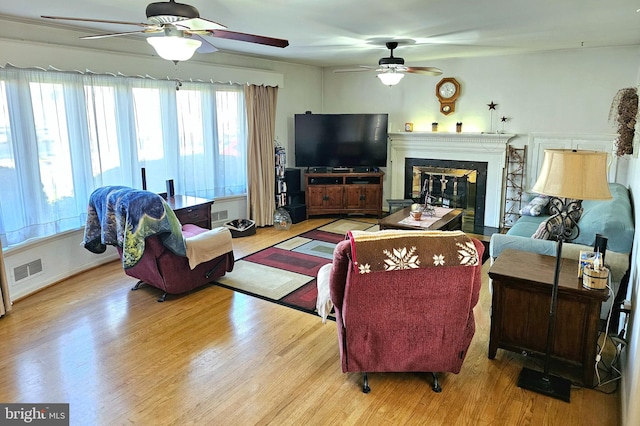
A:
[581,175]
[174,48]
[390,78]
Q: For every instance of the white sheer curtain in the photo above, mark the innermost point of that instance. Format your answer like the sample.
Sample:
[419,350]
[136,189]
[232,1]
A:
[45,182]
[64,134]
[5,300]
[212,116]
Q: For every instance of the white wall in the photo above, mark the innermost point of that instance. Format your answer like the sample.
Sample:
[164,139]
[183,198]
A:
[566,92]
[62,256]
[631,358]
[29,45]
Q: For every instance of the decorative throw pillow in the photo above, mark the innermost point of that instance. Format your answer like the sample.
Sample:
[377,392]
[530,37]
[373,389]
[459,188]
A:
[568,218]
[542,233]
[535,206]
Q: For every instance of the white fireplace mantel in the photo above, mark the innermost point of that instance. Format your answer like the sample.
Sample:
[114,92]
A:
[484,147]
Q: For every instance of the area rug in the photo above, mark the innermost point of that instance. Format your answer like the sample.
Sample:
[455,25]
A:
[286,272]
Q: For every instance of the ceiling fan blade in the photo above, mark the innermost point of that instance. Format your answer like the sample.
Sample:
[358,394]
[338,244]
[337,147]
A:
[424,70]
[250,38]
[139,24]
[359,69]
[206,46]
[96,36]
[199,24]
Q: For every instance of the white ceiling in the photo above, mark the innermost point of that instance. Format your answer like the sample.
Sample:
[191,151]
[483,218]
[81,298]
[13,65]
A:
[351,32]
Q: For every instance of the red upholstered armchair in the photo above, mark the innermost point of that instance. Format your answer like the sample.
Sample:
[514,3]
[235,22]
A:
[404,300]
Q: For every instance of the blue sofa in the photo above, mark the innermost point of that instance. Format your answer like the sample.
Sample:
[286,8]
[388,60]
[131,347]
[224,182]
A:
[611,218]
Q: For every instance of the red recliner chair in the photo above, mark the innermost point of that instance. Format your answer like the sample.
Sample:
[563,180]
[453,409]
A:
[404,300]
[171,273]
[153,245]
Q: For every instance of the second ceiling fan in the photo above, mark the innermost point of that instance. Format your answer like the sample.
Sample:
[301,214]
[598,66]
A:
[391,69]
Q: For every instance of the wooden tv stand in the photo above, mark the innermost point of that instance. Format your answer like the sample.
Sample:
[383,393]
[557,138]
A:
[343,193]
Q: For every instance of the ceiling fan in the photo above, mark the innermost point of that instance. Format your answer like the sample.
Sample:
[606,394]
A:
[391,69]
[182,29]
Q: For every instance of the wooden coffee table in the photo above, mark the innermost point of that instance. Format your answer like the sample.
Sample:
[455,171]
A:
[450,222]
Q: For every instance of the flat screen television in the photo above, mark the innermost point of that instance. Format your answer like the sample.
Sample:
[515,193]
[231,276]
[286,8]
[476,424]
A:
[341,140]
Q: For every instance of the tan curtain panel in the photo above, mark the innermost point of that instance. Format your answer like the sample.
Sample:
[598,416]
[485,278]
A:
[5,306]
[261,119]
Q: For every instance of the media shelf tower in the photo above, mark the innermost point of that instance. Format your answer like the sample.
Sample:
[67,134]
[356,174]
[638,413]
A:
[281,185]
[287,191]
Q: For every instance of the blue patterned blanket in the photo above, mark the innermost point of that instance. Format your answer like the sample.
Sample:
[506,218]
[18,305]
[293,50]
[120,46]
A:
[124,217]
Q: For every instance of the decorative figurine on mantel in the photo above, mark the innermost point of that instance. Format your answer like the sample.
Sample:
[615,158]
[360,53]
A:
[492,107]
[503,120]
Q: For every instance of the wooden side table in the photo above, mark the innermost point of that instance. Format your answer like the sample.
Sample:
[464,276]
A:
[521,299]
[190,209]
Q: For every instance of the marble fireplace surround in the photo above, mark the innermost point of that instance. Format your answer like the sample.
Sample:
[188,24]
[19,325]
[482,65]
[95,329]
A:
[480,147]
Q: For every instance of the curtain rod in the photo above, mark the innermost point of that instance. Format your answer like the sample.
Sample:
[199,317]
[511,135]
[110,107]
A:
[9,65]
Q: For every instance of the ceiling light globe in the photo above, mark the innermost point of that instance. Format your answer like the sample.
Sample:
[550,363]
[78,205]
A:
[174,48]
[390,78]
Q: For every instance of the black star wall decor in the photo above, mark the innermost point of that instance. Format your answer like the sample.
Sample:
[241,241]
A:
[504,120]
[492,107]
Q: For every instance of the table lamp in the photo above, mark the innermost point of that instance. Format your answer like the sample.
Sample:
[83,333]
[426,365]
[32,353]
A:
[568,177]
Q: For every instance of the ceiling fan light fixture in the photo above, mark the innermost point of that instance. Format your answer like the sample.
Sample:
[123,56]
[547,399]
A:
[174,48]
[390,78]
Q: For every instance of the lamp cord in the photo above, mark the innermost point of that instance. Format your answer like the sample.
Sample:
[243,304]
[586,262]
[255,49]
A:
[606,331]
[618,343]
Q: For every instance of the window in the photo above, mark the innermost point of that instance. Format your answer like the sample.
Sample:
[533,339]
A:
[64,134]
[103,135]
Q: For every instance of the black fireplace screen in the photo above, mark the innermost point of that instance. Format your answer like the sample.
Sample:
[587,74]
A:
[444,187]
[449,183]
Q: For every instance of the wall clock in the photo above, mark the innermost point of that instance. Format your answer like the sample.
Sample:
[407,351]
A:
[447,91]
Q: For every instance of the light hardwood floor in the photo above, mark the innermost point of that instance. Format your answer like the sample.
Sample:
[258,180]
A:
[219,357]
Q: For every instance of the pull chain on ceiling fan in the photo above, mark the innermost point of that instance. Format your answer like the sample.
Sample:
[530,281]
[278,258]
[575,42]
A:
[183,30]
